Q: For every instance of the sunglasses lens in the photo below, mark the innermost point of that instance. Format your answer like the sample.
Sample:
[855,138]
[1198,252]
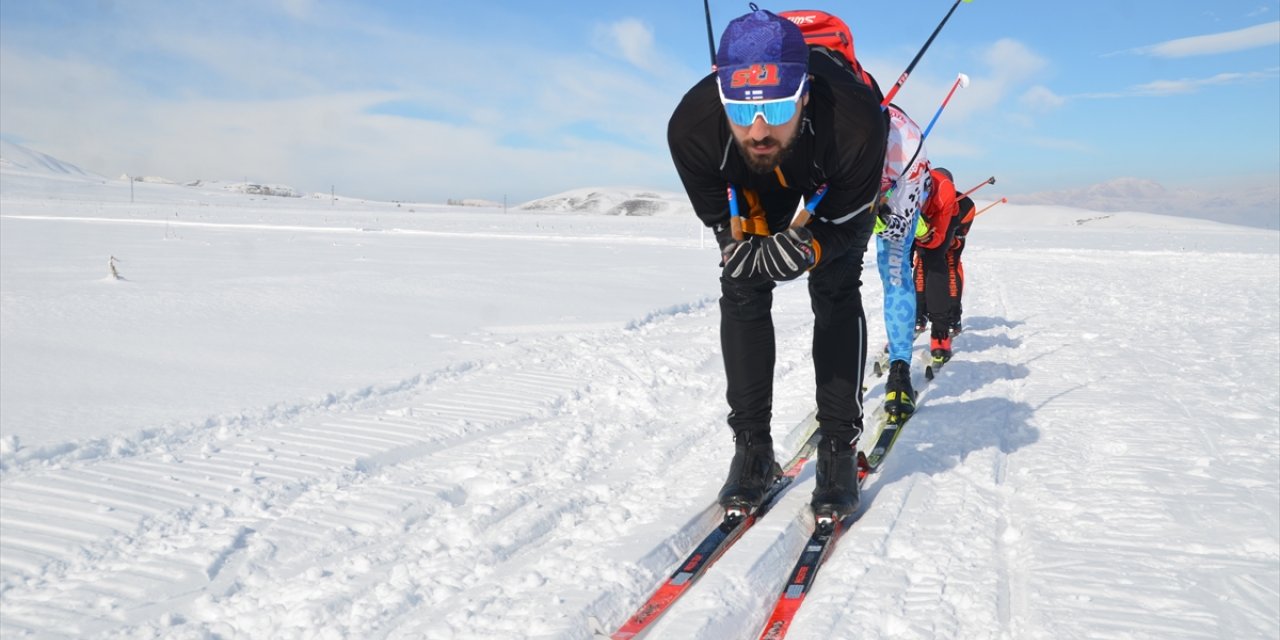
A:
[775,112]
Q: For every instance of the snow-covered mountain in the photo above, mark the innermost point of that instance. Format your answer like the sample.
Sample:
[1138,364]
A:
[613,201]
[17,158]
[1252,206]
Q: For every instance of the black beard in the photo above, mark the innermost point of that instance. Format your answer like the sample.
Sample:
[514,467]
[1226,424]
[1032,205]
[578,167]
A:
[760,166]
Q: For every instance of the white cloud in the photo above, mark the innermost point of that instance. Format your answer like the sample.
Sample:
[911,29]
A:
[1013,60]
[1009,65]
[299,9]
[516,120]
[1041,98]
[630,38]
[1248,38]
[1185,85]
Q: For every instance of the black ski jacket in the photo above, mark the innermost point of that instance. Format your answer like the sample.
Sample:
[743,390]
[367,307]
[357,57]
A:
[841,143]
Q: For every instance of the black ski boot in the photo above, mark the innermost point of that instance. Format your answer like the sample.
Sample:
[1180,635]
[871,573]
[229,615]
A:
[837,492]
[752,472]
[922,325]
[899,397]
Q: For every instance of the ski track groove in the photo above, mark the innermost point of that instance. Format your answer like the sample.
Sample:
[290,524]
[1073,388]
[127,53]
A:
[145,493]
[286,468]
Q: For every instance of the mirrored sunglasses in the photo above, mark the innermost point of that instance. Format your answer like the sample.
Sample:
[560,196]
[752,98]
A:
[775,112]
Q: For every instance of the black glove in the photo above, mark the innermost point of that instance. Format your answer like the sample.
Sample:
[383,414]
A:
[724,238]
[741,259]
[786,255]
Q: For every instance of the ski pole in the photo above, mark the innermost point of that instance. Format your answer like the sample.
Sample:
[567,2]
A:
[911,67]
[961,81]
[991,180]
[711,38]
[802,216]
[735,218]
[988,207]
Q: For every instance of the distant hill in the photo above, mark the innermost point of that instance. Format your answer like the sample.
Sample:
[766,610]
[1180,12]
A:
[1253,207]
[613,201]
[15,157]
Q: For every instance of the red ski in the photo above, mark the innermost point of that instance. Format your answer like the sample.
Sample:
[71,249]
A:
[711,548]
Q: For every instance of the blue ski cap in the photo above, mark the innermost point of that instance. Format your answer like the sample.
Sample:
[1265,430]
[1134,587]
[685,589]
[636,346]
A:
[762,56]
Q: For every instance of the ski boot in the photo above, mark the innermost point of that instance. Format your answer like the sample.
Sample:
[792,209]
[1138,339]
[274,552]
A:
[940,349]
[922,325]
[836,496]
[751,473]
[899,397]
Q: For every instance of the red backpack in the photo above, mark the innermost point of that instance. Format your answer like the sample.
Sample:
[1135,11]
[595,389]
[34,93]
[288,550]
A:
[825,30]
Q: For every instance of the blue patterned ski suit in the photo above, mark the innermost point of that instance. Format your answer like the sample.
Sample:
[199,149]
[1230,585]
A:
[906,190]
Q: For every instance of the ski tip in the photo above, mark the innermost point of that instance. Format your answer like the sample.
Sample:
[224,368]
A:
[928,372]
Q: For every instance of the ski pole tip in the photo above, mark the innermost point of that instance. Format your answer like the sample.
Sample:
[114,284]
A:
[964,81]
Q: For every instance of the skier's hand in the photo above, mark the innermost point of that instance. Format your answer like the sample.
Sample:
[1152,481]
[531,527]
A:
[786,255]
[724,238]
[880,225]
[923,229]
[891,226]
[740,258]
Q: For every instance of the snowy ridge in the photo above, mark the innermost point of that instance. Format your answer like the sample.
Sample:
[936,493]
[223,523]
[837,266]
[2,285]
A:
[17,158]
[614,201]
[1252,206]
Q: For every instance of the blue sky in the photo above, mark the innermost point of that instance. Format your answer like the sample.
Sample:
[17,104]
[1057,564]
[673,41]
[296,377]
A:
[435,100]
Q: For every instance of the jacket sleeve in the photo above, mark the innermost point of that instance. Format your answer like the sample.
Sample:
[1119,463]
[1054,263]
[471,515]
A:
[696,150]
[939,211]
[855,155]
[964,215]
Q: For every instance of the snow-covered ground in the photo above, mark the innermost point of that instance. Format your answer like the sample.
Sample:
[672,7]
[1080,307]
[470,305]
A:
[300,418]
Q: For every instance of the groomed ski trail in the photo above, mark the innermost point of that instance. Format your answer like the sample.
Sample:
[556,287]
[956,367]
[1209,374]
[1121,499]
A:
[559,478]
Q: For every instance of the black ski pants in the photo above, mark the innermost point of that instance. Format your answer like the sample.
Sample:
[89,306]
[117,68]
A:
[935,290]
[839,343]
[956,268]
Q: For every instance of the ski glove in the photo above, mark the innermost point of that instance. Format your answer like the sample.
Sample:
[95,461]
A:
[740,259]
[891,226]
[786,255]
[724,238]
[922,228]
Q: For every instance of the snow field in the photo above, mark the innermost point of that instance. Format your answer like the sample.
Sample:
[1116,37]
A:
[296,422]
